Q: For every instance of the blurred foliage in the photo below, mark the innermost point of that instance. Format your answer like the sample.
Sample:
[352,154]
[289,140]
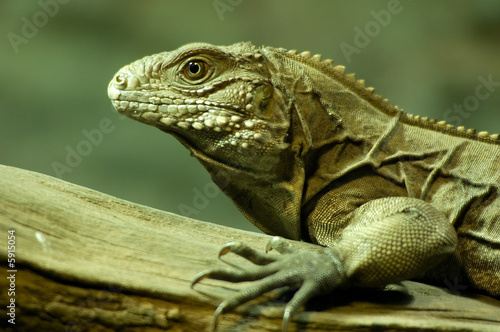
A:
[425,58]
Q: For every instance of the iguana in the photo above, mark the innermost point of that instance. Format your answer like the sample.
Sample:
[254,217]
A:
[307,152]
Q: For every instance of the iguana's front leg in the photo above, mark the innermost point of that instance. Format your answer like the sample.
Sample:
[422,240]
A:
[388,240]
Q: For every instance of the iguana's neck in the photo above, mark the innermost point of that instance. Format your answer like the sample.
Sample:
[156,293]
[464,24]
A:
[332,109]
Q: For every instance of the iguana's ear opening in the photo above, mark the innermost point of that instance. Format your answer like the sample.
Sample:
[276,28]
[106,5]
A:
[262,96]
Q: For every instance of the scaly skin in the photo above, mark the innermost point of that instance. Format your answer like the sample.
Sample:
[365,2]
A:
[308,153]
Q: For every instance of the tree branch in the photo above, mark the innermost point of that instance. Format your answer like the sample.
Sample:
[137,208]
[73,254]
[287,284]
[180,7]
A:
[86,261]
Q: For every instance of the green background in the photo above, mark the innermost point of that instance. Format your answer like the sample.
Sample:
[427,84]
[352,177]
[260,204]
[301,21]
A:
[425,58]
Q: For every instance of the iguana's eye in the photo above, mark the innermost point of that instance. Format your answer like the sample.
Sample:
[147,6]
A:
[195,69]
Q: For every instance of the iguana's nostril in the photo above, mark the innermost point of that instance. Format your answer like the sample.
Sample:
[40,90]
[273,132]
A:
[124,80]
[120,81]
[117,85]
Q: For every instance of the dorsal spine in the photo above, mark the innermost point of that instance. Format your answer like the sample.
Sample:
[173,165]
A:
[338,72]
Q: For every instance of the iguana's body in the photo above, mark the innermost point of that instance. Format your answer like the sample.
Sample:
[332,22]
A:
[312,154]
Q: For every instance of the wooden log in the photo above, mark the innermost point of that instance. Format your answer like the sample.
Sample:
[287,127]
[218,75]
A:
[87,261]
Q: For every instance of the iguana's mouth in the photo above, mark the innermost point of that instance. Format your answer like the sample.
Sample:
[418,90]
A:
[184,114]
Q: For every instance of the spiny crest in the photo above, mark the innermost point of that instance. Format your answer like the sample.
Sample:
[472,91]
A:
[339,73]
[255,55]
[377,99]
[460,130]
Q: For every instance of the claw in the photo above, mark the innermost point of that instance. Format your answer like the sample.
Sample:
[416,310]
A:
[215,318]
[286,320]
[199,277]
[269,245]
[226,249]
[279,244]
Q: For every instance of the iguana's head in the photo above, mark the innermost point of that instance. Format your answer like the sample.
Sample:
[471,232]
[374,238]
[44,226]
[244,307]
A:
[218,101]
[234,111]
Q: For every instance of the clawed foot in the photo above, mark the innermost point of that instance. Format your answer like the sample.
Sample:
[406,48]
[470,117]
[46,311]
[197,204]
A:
[312,273]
